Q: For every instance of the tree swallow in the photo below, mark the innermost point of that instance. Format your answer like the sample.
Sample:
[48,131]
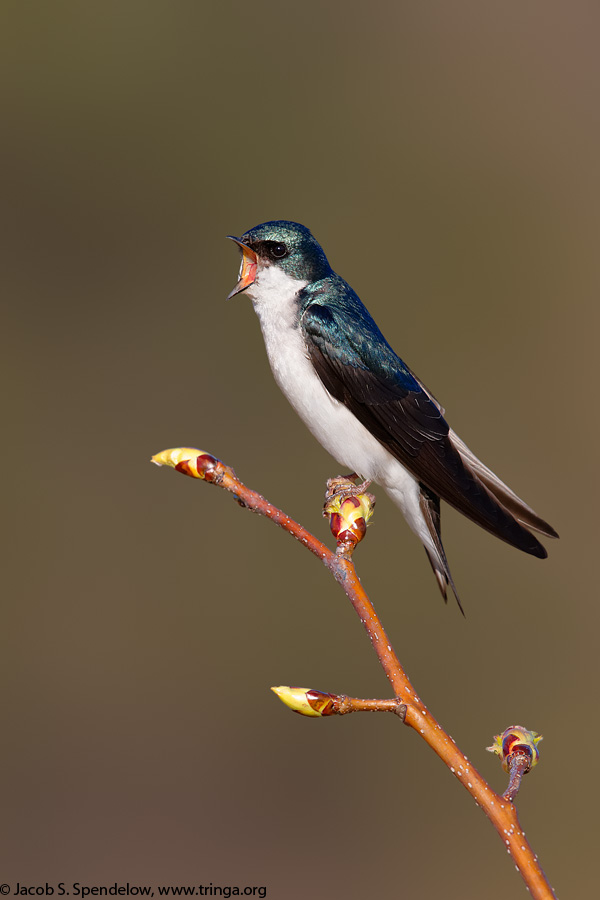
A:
[362,402]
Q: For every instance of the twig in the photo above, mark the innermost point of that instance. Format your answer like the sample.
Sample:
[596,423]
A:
[501,812]
[309,702]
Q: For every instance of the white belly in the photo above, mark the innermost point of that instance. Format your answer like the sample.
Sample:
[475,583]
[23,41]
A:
[334,426]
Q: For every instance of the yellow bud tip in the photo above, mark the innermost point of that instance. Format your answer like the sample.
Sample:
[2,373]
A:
[175,455]
[295,698]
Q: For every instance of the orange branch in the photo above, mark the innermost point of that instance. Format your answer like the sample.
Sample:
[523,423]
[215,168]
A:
[501,812]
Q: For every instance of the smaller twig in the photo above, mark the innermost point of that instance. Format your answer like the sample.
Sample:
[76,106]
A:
[519,764]
[310,702]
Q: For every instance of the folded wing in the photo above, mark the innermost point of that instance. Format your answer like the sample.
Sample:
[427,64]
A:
[384,395]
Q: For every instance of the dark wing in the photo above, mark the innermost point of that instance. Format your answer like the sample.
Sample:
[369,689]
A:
[359,368]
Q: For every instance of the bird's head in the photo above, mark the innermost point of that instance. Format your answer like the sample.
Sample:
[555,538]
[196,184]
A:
[286,245]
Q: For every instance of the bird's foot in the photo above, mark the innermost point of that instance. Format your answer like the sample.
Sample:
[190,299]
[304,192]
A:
[345,486]
[342,488]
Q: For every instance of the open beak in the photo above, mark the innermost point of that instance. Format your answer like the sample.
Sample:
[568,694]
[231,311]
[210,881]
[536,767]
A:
[247,268]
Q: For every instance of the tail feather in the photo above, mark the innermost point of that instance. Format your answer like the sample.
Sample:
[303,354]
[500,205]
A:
[430,507]
[507,498]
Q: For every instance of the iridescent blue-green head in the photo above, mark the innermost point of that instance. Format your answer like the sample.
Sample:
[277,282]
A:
[287,245]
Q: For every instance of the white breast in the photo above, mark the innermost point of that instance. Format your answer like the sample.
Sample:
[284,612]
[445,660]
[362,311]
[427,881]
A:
[275,301]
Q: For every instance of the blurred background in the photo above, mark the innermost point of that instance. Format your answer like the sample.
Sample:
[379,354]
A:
[446,156]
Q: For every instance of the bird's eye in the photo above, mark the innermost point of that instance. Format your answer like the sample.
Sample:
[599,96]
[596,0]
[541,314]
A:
[277,250]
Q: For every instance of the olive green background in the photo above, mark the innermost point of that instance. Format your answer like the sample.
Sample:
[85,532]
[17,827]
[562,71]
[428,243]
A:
[446,156]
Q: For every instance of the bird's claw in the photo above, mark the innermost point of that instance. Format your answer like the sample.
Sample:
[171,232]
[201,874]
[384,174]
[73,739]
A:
[345,486]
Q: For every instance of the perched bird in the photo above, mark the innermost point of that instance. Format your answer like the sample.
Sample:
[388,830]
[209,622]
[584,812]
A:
[362,402]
